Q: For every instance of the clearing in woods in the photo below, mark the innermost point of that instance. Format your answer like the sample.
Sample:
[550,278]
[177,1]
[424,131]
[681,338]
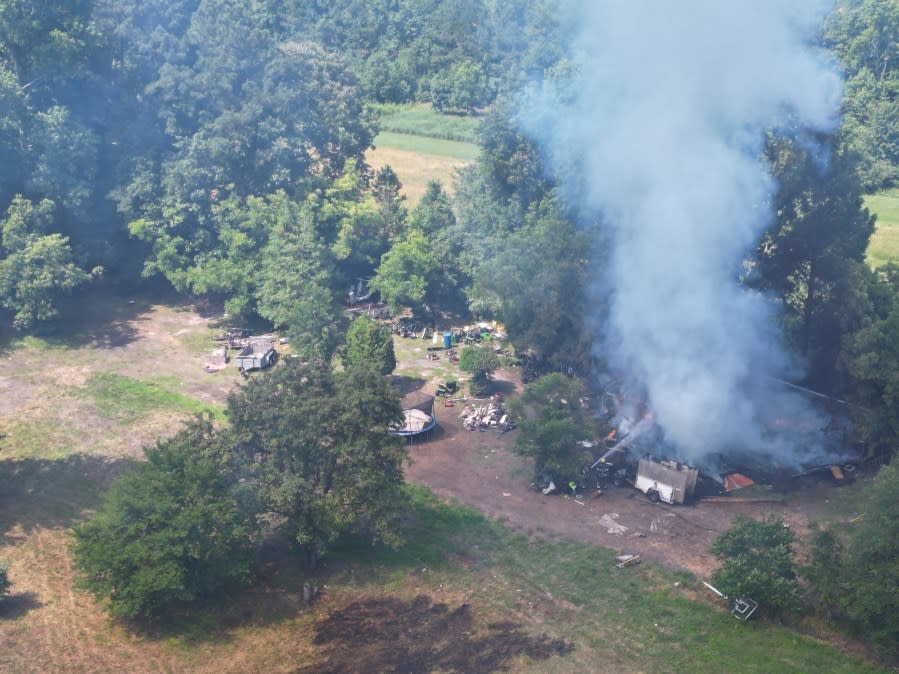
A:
[884,246]
[464,594]
[422,145]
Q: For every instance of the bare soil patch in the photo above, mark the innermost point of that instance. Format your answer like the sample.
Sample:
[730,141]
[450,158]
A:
[481,470]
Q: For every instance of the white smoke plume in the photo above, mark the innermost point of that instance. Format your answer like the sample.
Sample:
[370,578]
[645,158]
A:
[659,133]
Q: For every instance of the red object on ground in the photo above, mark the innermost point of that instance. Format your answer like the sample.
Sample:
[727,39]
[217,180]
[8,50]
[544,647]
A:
[736,481]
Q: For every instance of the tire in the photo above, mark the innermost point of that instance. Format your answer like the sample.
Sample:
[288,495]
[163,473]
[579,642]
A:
[653,496]
[617,480]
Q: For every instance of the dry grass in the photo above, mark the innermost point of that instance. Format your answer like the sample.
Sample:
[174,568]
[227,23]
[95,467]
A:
[456,557]
[415,170]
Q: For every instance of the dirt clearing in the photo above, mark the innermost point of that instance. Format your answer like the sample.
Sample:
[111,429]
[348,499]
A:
[479,469]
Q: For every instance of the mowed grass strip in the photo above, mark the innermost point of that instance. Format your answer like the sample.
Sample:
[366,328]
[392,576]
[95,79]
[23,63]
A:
[124,398]
[420,119]
[427,145]
[884,245]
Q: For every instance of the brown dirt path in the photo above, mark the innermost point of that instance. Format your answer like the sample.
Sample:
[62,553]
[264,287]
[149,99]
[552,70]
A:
[479,469]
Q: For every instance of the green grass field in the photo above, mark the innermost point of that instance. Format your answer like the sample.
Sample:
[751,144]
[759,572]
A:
[427,145]
[123,398]
[637,618]
[419,119]
[884,246]
[422,145]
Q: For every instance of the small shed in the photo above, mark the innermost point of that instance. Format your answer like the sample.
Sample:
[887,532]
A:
[256,355]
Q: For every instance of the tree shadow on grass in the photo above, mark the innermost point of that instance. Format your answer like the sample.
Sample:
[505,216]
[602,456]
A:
[95,317]
[17,605]
[433,532]
[404,384]
[49,493]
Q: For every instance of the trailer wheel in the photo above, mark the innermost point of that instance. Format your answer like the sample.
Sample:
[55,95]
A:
[653,496]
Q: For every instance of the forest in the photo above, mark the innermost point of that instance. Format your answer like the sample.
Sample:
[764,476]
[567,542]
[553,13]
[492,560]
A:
[147,141]
[217,149]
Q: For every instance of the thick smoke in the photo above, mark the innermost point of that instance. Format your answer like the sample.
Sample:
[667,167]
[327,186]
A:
[659,133]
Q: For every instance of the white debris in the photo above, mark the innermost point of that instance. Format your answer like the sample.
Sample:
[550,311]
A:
[613,527]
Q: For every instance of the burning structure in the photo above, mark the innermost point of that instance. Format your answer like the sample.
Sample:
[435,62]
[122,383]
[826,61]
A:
[656,138]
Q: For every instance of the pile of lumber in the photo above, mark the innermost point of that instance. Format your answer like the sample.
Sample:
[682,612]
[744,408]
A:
[485,417]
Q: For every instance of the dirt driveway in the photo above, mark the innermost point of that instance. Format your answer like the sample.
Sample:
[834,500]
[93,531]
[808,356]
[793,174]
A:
[480,470]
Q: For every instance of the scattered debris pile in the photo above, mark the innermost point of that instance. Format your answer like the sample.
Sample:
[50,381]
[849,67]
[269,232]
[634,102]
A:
[233,338]
[626,560]
[489,417]
[376,310]
[217,360]
[407,327]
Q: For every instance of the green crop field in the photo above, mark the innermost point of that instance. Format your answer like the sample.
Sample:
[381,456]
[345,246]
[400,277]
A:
[417,160]
[426,145]
[420,119]
[884,246]
[422,145]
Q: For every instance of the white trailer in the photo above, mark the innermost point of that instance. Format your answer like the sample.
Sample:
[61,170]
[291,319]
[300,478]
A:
[667,481]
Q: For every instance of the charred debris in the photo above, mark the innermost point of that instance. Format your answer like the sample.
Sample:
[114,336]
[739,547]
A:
[634,451]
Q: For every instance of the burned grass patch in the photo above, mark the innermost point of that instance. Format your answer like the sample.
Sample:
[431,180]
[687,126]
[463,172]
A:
[388,634]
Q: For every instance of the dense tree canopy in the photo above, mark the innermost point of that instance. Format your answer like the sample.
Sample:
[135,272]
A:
[369,344]
[307,453]
[318,454]
[814,254]
[853,569]
[758,563]
[552,420]
[863,33]
[170,529]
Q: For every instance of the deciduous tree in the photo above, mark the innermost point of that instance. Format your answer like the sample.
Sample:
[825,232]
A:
[551,421]
[480,362]
[758,563]
[169,530]
[369,344]
[319,454]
